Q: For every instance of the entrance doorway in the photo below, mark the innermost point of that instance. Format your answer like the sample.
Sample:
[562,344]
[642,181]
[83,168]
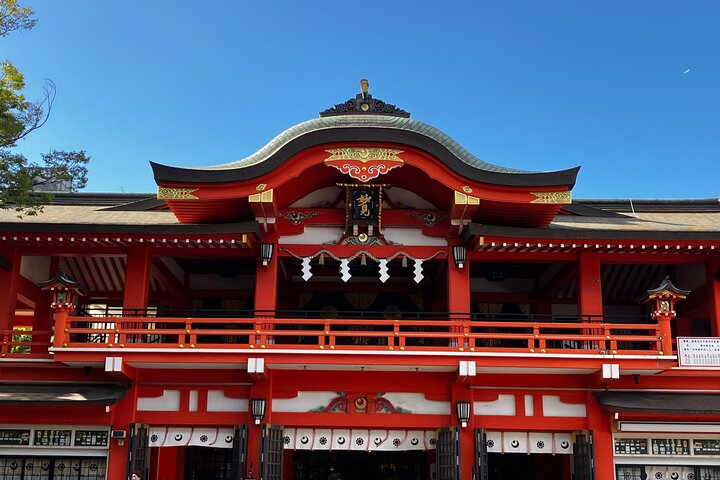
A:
[203,463]
[516,466]
[358,465]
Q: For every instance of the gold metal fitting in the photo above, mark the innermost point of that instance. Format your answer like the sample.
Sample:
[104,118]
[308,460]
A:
[472,349]
[327,332]
[391,348]
[252,346]
[109,345]
[542,350]
[461,349]
[192,345]
[322,347]
[262,346]
[614,352]
[181,346]
[402,349]
[122,345]
[187,331]
[332,347]
[532,350]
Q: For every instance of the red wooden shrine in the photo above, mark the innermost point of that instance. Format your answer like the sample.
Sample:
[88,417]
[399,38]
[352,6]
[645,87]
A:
[361,293]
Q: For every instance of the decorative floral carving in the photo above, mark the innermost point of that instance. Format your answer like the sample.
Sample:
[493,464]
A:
[296,218]
[428,219]
[364,163]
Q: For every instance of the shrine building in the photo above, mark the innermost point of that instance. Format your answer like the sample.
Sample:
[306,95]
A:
[362,294]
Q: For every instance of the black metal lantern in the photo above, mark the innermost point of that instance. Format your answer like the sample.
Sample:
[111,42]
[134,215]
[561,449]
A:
[257,406]
[459,255]
[266,253]
[462,410]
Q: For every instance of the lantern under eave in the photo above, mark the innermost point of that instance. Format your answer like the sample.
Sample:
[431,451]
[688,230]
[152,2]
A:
[65,291]
[664,297]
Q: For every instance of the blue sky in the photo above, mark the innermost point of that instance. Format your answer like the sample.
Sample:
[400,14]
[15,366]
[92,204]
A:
[536,85]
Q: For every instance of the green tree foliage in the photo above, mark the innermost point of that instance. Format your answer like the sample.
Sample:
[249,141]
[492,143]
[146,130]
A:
[19,178]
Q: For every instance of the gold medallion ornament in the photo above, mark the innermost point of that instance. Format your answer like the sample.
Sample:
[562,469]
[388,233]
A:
[558,198]
[467,189]
[169,193]
[261,187]
[364,163]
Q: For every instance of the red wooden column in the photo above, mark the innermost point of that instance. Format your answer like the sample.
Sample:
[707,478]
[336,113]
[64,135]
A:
[122,415]
[458,292]
[590,288]
[137,278]
[41,323]
[467,434]
[713,281]
[261,389]
[9,281]
[590,291]
[266,281]
[599,423]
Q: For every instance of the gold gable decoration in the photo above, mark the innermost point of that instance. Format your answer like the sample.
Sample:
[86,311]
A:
[558,198]
[170,193]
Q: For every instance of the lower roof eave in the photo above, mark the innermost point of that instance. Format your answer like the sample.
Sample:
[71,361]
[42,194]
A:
[520,233]
[669,403]
[139,229]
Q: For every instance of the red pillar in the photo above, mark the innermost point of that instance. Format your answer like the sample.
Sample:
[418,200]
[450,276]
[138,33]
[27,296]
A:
[261,389]
[266,280]
[599,423]
[458,295]
[41,328]
[467,434]
[9,279]
[713,281]
[137,278]
[122,414]
[169,464]
[458,287]
[589,288]
[266,283]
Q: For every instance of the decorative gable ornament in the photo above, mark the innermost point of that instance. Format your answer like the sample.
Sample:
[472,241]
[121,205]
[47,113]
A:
[365,104]
[364,163]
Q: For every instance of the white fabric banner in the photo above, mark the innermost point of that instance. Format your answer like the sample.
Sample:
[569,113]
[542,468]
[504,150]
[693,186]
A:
[529,442]
[358,439]
[195,436]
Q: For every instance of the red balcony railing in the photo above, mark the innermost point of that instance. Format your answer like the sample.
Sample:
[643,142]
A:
[397,331]
[24,344]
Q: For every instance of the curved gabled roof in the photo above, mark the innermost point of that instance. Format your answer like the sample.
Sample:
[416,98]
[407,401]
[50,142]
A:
[362,128]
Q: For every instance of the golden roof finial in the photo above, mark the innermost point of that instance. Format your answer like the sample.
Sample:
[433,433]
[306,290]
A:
[364,87]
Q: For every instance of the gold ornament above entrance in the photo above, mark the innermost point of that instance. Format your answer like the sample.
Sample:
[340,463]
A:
[363,163]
